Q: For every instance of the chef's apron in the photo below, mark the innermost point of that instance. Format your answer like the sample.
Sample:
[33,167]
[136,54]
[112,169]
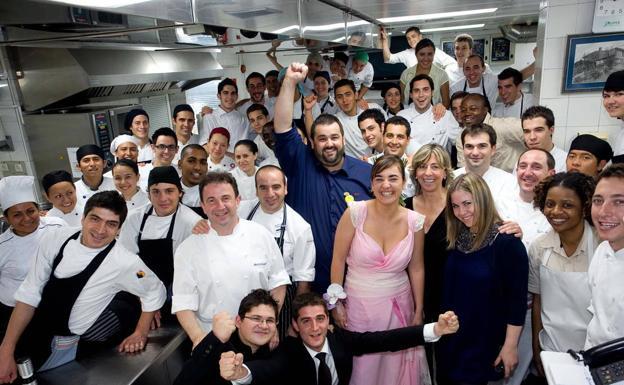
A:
[158,253]
[47,339]
[565,297]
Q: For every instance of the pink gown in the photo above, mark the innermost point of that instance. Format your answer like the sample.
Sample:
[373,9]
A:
[379,297]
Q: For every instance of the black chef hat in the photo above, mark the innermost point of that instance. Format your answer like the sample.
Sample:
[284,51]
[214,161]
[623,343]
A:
[89,149]
[322,74]
[164,174]
[594,145]
[54,177]
[133,114]
[615,82]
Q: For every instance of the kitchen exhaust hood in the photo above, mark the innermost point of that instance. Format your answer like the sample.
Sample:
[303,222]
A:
[52,78]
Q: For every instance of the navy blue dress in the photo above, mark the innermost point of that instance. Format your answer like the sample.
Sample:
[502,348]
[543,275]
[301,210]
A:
[487,289]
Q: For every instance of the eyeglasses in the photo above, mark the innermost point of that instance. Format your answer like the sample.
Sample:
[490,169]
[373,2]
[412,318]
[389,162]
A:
[163,147]
[259,320]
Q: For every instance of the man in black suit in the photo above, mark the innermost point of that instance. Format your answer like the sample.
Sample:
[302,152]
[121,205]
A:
[248,334]
[326,356]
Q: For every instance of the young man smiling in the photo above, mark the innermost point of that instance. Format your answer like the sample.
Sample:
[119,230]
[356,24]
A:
[91,162]
[606,268]
[613,102]
[71,293]
[538,127]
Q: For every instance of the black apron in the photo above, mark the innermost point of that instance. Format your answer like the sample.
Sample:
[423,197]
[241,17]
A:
[51,317]
[284,316]
[158,253]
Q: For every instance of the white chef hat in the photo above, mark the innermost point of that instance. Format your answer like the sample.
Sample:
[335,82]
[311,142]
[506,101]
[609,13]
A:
[17,189]
[122,139]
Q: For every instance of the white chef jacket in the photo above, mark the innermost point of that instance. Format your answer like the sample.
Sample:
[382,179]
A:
[246,184]
[424,128]
[118,272]
[264,152]
[298,112]
[17,254]
[560,158]
[502,110]
[194,139]
[157,227]
[502,184]
[607,289]
[72,218]
[146,154]
[489,81]
[618,145]
[213,273]
[299,251]
[84,192]
[455,73]
[191,195]
[138,200]
[362,78]
[408,58]
[226,164]
[329,109]
[235,122]
[531,220]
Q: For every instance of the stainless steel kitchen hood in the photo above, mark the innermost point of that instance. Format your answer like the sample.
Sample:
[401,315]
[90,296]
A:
[52,78]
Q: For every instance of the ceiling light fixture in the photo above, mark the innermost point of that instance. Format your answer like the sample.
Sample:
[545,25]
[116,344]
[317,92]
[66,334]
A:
[453,28]
[101,4]
[433,16]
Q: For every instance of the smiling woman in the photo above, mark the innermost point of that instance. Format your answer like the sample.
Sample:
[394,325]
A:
[382,242]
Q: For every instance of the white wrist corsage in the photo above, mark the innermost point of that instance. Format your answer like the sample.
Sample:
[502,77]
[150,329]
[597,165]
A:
[335,293]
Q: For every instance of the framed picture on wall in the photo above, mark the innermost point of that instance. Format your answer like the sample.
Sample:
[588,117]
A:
[479,48]
[590,59]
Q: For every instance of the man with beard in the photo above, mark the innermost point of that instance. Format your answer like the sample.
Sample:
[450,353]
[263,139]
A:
[321,178]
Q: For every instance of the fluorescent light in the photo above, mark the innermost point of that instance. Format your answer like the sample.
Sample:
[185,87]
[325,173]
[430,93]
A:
[453,28]
[338,40]
[285,29]
[101,3]
[432,16]
[334,26]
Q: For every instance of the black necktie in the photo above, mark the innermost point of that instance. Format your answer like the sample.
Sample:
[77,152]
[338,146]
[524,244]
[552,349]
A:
[324,375]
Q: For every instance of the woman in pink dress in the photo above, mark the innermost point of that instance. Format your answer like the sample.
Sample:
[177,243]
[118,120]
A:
[381,244]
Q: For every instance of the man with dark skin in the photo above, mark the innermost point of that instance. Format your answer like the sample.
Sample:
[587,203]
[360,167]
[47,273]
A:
[510,138]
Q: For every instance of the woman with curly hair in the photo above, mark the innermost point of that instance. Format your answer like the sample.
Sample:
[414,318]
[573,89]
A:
[559,261]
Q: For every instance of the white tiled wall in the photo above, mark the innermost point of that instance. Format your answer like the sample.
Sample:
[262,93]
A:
[577,112]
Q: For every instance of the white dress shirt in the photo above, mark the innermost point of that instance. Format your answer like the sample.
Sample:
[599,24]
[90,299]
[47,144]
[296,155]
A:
[607,295]
[73,218]
[235,122]
[515,109]
[118,272]
[424,128]
[408,58]
[299,251]
[246,184]
[17,254]
[213,273]
[84,192]
[503,185]
[157,227]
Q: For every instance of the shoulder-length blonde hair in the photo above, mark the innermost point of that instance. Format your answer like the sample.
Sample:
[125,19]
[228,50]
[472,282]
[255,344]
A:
[423,155]
[485,213]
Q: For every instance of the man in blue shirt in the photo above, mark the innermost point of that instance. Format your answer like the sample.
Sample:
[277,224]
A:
[321,179]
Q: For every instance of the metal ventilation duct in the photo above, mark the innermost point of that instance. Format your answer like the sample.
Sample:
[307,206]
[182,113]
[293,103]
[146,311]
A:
[519,33]
[58,77]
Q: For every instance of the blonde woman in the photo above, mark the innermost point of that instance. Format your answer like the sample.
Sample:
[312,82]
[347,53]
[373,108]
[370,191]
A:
[485,283]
